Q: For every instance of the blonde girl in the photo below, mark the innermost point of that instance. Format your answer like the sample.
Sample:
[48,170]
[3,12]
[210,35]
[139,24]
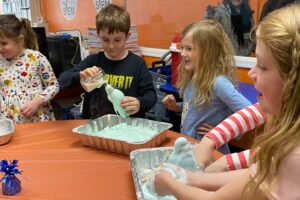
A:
[27,81]
[274,173]
[206,79]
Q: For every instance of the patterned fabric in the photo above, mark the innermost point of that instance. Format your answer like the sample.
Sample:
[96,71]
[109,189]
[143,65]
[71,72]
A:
[21,79]
[237,124]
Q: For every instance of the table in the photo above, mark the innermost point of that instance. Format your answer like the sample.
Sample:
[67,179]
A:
[57,167]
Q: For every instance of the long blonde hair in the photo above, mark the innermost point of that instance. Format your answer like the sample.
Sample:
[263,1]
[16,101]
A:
[215,57]
[280,32]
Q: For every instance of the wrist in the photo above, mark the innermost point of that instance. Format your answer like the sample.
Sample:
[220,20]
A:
[39,100]
[209,143]
[177,108]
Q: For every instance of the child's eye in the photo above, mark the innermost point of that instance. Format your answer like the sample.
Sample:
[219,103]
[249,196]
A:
[186,48]
[105,39]
[262,67]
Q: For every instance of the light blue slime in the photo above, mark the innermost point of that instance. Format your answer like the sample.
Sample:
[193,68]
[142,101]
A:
[115,96]
[183,155]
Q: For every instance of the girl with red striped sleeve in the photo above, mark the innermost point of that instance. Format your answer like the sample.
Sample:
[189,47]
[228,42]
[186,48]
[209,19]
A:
[274,171]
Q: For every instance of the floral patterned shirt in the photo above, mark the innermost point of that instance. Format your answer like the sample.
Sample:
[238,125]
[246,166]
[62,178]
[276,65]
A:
[21,79]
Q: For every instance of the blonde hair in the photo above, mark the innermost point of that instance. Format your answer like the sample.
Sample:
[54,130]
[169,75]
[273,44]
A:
[11,27]
[215,57]
[114,18]
[280,32]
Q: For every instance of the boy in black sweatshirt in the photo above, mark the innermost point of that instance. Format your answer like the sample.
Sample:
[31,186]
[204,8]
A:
[123,69]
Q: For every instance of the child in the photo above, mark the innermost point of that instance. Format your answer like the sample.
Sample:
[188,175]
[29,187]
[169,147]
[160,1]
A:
[206,77]
[249,118]
[123,69]
[274,173]
[27,82]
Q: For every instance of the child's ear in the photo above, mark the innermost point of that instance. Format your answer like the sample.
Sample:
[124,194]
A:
[129,34]
[21,39]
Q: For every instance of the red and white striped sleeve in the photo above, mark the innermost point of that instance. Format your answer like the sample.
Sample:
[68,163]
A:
[237,124]
[238,160]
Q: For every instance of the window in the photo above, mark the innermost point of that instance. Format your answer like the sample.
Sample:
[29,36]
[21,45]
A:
[21,8]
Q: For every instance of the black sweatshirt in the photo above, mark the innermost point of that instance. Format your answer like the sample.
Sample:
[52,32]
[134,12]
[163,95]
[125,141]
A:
[130,75]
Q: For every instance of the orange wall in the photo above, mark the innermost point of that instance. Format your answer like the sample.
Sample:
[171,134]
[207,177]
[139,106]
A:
[84,18]
[157,21]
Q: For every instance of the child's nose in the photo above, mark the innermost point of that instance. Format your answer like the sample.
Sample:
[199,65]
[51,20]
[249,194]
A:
[252,73]
[111,45]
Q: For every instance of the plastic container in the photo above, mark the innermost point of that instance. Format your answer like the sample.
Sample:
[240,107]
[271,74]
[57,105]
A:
[175,57]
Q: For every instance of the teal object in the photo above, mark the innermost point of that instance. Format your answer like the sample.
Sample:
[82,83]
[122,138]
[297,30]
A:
[115,96]
[183,155]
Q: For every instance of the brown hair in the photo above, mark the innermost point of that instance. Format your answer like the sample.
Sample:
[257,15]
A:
[11,27]
[114,18]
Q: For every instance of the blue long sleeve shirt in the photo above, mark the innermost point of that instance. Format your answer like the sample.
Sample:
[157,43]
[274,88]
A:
[225,100]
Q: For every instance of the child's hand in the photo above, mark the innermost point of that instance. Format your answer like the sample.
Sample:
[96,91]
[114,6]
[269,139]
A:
[204,151]
[170,103]
[161,182]
[89,72]
[204,128]
[168,174]
[130,104]
[31,107]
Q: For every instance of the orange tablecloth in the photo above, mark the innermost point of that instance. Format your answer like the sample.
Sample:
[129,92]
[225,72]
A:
[57,167]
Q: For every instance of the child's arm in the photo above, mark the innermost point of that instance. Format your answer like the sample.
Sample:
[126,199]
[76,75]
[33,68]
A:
[239,160]
[229,162]
[171,104]
[237,124]
[250,117]
[50,87]
[71,77]
[226,185]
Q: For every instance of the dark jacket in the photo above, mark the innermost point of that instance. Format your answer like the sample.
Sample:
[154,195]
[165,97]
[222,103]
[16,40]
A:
[272,5]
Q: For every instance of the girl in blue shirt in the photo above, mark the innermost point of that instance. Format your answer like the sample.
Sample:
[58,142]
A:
[206,79]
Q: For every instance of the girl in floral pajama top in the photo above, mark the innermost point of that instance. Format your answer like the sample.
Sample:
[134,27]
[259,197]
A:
[27,81]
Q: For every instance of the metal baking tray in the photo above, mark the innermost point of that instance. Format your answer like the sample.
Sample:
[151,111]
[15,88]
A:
[146,159]
[118,146]
[6,130]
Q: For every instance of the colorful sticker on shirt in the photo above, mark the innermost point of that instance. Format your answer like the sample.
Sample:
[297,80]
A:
[184,111]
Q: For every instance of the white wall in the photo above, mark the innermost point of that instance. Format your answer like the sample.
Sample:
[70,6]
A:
[1,7]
